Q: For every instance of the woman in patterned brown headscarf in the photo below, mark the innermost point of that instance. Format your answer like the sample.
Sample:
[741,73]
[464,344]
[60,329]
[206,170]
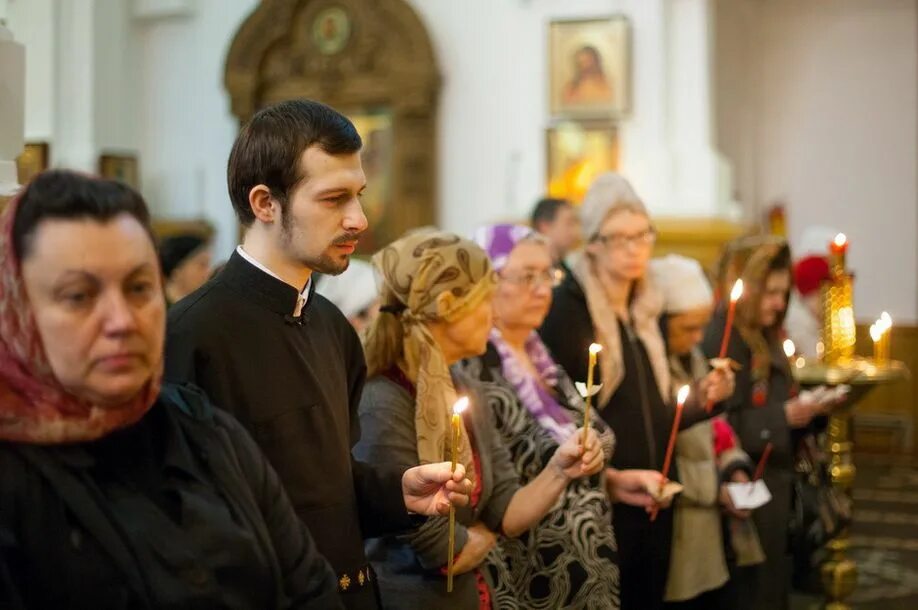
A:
[436,310]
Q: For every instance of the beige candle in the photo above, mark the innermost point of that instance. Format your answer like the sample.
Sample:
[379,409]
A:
[595,348]
[456,433]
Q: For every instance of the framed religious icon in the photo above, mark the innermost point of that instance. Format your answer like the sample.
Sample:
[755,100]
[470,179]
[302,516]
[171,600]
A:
[120,167]
[589,67]
[375,129]
[34,159]
[331,30]
[577,152]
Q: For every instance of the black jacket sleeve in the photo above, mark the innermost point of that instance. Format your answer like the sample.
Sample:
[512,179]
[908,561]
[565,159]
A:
[309,581]
[188,360]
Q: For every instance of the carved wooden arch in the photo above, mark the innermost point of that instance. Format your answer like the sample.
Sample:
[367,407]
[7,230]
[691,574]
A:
[385,62]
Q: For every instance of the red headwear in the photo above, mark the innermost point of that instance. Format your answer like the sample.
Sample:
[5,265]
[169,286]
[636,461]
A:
[34,407]
[810,273]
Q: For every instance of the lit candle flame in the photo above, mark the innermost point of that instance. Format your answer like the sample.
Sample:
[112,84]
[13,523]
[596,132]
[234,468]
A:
[841,239]
[595,348]
[876,332]
[789,348]
[737,291]
[683,394]
[460,405]
[885,321]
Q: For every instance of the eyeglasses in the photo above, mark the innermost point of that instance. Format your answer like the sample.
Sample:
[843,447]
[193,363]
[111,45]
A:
[531,279]
[620,241]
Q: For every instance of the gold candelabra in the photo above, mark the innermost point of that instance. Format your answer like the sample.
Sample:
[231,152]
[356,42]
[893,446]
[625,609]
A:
[838,328]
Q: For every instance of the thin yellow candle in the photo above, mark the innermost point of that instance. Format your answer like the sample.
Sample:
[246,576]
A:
[595,348]
[876,333]
[456,432]
[886,320]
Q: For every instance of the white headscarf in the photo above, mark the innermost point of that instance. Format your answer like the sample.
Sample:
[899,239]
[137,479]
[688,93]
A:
[682,283]
[609,192]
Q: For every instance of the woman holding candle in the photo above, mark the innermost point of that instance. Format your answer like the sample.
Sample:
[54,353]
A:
[570,559]
[436,310]
[688,303]
[608,300]
[763,410]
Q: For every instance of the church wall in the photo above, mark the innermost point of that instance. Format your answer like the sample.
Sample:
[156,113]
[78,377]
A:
[32,23]
[814,105]
[817,108]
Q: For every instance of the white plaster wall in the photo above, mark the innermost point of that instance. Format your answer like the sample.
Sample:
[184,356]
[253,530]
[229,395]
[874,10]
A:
[493,108]
[833,130]
[157,88]
[186,127]
[32,23]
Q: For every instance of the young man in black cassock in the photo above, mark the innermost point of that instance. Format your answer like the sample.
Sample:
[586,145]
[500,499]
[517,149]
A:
[283,359]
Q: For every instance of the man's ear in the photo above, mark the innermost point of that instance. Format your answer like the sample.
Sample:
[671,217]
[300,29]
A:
[263,205]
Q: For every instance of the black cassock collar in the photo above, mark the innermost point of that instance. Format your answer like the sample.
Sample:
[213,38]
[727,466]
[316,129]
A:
[268,291]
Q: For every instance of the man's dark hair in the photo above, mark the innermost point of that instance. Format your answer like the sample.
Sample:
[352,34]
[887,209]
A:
[546,210]
[268,149]
[66,195]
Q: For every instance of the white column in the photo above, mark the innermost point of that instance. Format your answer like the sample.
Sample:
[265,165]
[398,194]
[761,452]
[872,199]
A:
[701,177]
[12,105]
[74,115]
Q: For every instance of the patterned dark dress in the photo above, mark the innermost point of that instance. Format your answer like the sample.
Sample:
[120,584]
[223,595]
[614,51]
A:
[570,560]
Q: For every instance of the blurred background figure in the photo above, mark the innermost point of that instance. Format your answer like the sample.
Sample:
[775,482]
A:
[558,221]
[354,292]
[811,267]
[804,312]
[186,263]
[688,303]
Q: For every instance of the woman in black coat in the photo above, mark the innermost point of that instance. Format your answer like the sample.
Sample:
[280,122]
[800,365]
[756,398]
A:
[608,299]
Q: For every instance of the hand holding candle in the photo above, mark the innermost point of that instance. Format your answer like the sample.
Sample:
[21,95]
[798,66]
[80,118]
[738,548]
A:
[455,433]
[671,445]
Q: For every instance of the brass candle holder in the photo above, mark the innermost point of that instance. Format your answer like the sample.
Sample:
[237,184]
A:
[838,329]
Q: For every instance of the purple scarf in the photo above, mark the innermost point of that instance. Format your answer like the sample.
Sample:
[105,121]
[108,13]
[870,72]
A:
[550,415]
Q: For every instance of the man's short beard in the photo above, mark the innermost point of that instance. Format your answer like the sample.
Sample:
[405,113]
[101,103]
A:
[323,263]
[327,265]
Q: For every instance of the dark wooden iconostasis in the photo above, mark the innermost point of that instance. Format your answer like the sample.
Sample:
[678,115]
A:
[373,61]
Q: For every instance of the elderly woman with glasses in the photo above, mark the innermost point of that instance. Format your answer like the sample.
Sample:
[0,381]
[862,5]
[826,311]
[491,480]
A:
[570,559]
[609,300]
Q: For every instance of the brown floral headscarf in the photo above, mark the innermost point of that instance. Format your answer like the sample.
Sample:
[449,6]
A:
[427,276]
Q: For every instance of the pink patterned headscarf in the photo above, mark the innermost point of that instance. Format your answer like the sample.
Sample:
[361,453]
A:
[34,407]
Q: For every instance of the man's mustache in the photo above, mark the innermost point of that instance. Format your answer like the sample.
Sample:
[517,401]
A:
[347,238]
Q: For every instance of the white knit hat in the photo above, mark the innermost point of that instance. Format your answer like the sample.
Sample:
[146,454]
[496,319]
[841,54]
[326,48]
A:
[609,192]
[682,283]
[352,291]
